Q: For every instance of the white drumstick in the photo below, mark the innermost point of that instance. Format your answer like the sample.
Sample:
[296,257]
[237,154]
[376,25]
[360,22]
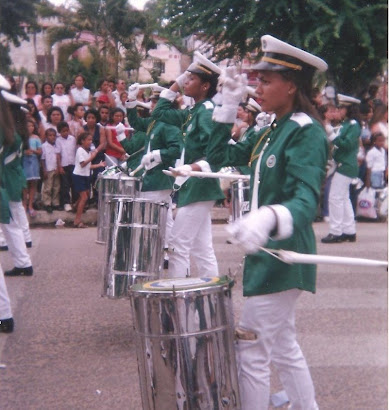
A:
[200,174]
[141,86]
[291,257]
[111,127]
[138,168]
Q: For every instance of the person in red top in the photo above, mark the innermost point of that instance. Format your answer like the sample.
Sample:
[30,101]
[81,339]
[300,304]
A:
[114,150]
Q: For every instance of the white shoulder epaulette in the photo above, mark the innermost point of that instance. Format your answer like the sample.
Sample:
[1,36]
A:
[208,105]
[301,118]
[352,122]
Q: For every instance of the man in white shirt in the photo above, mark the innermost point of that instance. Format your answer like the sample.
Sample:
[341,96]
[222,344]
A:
[120,88]
[47,103]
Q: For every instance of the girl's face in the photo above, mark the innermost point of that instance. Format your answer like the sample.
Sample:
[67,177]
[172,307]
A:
[240,113]
[30,128]
[59,89]
[79,113]
[48,89]
[123,97]
[275,93]
[104,87]
[31,108]
[104,114]
[87,142]
[31,89]
[117,117]
[380,142]
[193,86]
[56,117]
[91,120]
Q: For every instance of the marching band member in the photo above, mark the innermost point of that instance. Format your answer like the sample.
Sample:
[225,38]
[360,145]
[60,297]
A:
[161,144]
[345,142]
[287,161]
[192,233]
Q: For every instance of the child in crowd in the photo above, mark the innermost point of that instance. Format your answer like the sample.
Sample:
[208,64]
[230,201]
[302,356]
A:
[51,178]
[31,167]
[66,152]
[81,174]
[77,122]
[376,162]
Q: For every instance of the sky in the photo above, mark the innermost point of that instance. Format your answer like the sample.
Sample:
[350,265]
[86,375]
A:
[139,4]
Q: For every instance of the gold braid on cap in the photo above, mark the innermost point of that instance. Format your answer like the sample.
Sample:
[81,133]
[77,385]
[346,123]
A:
[281,62]
[202,68]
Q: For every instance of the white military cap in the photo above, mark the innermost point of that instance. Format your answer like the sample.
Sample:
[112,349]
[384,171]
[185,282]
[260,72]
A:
[281,56]
[347,100]
[12,98]
[253,106]
[251,91]
[4,83]
[201,65]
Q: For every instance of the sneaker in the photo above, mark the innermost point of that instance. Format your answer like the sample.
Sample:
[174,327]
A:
[349,237]
[6,325]
[19,271]
[67,207]
[330,238]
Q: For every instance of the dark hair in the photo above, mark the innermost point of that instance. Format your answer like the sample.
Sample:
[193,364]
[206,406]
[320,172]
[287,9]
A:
[212,80]
[34,114]
[51,110]
[100,82]
[34,124]
[303,81]
[365,108]
[113,112]
[34,84]
[43,88]
[7,124]
[20,121]
[12,82]
[95,113]
[73,108]
[80,75]
[50,130]
[378,113]
[374,136]
[45,97]
[61,125]
[353,113]
[103,106]
[83,136]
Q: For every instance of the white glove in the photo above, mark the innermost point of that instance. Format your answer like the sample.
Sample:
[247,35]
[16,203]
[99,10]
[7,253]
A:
[335,132]
[182,170]
[252,231]
[120,128]
[182,79]
[151,159]
[133,91]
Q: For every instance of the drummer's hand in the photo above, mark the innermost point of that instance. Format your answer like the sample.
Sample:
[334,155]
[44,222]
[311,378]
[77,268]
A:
[133,91]
[181,171]
[253,230]
[182,79]
[152,158]
[234,88]
[120,128]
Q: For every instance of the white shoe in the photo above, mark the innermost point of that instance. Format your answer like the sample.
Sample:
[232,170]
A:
[67,207]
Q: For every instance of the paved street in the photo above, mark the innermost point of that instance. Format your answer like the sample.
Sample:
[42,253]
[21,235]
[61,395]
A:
[72,349]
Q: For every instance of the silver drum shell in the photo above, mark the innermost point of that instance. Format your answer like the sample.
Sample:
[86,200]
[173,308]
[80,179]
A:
[110,187]
[240,198]
[185,348]
[134,247]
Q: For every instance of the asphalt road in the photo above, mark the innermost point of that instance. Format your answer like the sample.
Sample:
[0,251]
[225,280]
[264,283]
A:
[73,349]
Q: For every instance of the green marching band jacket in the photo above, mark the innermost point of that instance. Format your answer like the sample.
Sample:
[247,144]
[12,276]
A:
[12,179]
[196,126]
[345,149]
[291,170]
[160,136]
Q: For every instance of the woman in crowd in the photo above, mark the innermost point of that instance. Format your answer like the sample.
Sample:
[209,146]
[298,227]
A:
[31,91]
[54,117]
[287,161]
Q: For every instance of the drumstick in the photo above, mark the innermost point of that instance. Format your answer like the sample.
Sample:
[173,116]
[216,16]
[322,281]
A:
[138,168]
[110,127]
[200,174]
[291,257]
[140,86]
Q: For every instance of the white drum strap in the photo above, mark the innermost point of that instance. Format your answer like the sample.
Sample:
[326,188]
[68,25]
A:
[257,177]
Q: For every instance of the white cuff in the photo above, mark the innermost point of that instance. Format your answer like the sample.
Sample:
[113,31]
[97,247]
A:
[225,114]
[332,136]
[205,167]
[284,222]
[131,104]
[168,95]
[231,142]
[157,155]
[121,136]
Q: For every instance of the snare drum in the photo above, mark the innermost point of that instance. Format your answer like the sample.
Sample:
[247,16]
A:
[134,248]
[112,186]
[240,198]
[185,348]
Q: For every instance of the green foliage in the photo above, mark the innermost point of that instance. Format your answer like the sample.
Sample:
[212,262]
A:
[351,35]
[5,61]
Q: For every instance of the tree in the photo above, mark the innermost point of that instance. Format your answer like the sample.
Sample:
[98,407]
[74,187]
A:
[16,17]
[351,35]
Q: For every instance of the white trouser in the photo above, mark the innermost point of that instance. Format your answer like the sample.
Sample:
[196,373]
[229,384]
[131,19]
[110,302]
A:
[14,236]
[192,235]
[272,319]
[340,208]
[162,196]
[5,304]
[19,214]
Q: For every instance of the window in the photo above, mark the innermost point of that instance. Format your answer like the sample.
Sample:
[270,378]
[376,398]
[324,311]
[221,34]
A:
[45,63]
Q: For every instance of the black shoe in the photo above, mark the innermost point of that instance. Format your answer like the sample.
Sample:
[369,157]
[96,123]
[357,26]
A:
[55,208]
[6,325]
[330,238]
[19,271]
[166,263]
[349,237]
[4,248]
[49,209]
[29,244]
